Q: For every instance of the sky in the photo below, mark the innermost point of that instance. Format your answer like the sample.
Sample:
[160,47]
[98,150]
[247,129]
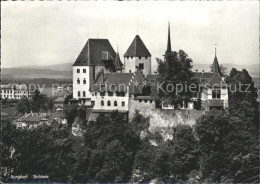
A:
[53,32]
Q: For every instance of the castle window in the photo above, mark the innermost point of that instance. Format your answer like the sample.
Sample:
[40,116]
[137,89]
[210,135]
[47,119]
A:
[115,103]
[110,93]
[78,93]
[78,81]
[141,66]
[84,70]
[78,70]
[140,57]
[84,81]
[108,103]
[84,93]
[216,93]
[123,104]
[102,103]
[102,93]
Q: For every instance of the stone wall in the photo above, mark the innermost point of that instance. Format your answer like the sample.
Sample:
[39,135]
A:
[164,120]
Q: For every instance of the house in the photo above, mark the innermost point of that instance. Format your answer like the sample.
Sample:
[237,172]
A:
[31,120]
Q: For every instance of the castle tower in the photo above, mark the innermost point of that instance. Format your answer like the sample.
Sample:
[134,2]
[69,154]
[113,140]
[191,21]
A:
[96,55]
[137,57]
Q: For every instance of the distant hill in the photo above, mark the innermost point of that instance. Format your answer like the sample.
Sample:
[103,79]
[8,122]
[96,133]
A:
[58,67]
[252,69]
[59,71]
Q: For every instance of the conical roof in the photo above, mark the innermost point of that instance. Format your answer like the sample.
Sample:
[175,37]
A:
[215,65]
[137,48]
[118,63]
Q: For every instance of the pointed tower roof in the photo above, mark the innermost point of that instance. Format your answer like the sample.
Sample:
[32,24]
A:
[215,65]
[137,48]
[118,63]
[169,48]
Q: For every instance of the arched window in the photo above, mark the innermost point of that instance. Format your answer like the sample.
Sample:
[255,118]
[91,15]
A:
[108,103]
[78,81]
[115,103]
[102,103]
[84,81]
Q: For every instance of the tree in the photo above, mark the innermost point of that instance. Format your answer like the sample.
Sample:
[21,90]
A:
[174,74]
[23,105]
[212,129]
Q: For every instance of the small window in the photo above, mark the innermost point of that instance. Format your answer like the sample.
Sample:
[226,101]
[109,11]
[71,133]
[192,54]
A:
[84,70]
[216,93]
[102,103]
[110,93]
[108,103]
[102,93]
[84,93]
[84,81]
[78,70]
[123,104]
[78,81]
[78,93]
[141,66]
[140,57]
[115,103]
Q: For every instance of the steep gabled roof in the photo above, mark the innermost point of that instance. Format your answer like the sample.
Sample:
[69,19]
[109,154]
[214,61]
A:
[118,82]
[209,79]
[137,48]
[94,51]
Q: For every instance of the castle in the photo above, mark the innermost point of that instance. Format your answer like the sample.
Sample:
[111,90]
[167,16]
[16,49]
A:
[102,82]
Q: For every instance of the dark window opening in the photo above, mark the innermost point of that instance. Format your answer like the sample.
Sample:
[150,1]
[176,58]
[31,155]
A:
[141,66]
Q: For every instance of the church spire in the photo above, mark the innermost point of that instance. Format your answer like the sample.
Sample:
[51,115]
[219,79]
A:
[169,48]
[215,65]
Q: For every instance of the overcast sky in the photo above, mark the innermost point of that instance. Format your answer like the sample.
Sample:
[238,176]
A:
[52,32]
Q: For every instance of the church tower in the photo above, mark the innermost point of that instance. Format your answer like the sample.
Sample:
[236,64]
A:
[137,57]
[169,47]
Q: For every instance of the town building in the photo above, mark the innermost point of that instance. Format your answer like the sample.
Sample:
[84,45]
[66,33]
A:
[14,91]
